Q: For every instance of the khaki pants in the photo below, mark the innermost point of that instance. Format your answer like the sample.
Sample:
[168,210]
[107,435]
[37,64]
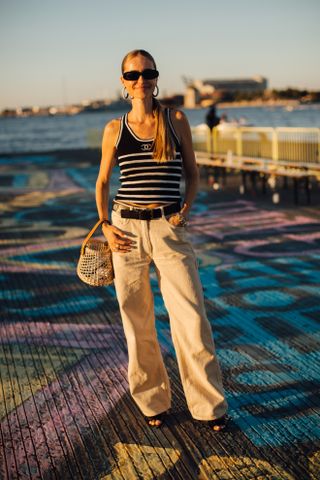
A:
[176,266]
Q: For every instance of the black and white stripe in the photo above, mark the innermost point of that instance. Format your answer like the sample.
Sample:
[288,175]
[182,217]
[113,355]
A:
[143,179]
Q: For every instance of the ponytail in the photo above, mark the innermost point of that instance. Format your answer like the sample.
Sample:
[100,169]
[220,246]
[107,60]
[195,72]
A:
[164,147]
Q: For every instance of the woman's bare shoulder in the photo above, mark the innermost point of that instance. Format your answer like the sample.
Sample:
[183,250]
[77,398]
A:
[111,131]
[180,123]
[178,118]
[112,127]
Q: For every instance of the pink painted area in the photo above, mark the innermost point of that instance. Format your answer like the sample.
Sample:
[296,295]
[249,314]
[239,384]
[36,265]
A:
[56,270]
[248,248]
[59,415]
[59,180]
[7,459]
[63,334]
[41,247]
[304,237]
[16,431]
[238,218]
[15,265]
[69,410]
[23,426]
[243,220]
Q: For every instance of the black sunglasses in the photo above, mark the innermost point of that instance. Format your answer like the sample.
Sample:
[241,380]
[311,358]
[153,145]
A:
[147,74]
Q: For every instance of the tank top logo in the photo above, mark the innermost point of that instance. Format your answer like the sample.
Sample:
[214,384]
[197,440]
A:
[146,147]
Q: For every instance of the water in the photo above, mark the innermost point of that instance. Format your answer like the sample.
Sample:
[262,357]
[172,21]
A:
[36,134]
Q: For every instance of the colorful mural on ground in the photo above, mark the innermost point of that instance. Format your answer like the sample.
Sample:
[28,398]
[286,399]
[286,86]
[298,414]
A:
[65,407]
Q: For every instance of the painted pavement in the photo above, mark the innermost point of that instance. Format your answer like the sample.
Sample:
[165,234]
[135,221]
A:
[66,412]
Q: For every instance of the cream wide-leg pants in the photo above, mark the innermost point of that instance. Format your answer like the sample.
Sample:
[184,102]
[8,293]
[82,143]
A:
[176,266]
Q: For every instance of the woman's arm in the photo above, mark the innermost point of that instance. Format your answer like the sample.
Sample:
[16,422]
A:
[114,235]
[106,165]
[182,128]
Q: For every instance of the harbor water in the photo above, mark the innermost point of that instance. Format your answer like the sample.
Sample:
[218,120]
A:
[36,134]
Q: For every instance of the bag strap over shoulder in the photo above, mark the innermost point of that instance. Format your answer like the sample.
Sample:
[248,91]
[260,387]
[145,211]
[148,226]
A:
[85,241]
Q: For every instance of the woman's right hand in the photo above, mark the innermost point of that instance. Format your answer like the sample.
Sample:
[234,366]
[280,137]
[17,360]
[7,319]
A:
[117,239]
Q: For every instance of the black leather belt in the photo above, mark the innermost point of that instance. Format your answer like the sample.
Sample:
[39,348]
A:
[145,213]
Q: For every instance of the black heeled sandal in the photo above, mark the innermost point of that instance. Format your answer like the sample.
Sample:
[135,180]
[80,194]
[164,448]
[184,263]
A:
[159,416]
[219,424]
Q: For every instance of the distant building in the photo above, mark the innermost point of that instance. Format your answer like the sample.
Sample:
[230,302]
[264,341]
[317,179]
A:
[201,92]
[192,97]
[248,85]
[172,100]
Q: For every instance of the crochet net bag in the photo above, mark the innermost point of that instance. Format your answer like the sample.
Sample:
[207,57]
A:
[95,262]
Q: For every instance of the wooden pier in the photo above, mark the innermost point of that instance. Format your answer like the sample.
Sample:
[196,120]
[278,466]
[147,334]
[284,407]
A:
[65,408]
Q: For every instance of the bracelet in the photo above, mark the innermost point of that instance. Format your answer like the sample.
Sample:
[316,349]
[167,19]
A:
[183,220]
[106,221]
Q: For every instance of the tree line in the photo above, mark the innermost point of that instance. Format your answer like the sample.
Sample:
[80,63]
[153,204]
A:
[304,96]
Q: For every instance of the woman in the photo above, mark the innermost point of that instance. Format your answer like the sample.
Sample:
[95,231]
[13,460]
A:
[152,146]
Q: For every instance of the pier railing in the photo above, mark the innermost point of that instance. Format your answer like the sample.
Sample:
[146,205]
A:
[283,144]
[258,152]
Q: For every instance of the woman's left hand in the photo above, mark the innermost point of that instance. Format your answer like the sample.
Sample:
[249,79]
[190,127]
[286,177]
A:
[178,220]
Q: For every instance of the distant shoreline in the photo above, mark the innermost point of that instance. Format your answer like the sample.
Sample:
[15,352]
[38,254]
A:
[220,105]
[259,103]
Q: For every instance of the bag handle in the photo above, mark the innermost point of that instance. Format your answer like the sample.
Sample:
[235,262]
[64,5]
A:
[85,241]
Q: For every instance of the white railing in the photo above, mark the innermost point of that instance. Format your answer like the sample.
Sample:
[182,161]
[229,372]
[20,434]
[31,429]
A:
[296,145]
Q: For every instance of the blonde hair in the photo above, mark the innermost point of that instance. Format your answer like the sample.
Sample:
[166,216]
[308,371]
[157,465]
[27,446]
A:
[164,147]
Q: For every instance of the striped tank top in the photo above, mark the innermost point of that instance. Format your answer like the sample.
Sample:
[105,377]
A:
[143,179]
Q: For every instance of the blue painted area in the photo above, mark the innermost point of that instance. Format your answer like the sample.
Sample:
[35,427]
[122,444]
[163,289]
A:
[46,261]
[60,216]
[16,294]
[269,298]
[27,159]
[298,362]
[210,290]
[266,378]
[280,419]
[272,432]
[295,261]
[164,338]
[159,307]
[258,281]
[20,180]
[230,358]
[83,177]
[303,322]
[110,289]
[294,369]
[74,305]
[312,276]
[233,273]
[209,281]
[259,267]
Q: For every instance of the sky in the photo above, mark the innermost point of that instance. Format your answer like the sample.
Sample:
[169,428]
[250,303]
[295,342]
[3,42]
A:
[66,51]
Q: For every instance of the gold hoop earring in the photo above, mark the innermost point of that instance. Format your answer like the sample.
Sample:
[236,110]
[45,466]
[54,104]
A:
[125,94]
[157,92]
